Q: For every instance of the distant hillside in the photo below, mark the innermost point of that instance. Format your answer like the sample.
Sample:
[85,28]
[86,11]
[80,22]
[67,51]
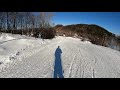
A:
[84,28]
[94,33]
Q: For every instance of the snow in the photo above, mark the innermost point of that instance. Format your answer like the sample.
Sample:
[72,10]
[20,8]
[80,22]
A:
[6,37]
[13,45]
[27,57]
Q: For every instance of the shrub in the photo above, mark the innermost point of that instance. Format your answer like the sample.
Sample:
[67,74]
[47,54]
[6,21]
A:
[48,33]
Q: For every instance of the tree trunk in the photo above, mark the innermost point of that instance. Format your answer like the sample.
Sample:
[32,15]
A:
[7,22]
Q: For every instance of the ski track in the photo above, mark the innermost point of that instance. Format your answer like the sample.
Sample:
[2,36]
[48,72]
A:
[79,60]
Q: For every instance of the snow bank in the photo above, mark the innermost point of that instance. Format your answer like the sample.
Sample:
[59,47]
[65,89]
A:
[4,37]
[87,42]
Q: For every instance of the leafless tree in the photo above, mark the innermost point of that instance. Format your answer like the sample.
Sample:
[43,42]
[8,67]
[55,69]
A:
[45,19]
[21,19]
[25,21]
[2,20]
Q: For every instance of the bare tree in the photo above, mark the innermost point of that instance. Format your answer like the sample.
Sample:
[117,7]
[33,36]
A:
[45,19]
[32,20]
[25,21]
[2,20]
[13,21]
[45,22]
[21,21]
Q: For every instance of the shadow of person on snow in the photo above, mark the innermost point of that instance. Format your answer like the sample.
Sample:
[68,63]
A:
[58,70]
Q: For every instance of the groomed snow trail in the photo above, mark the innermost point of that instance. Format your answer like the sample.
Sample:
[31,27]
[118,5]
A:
[79,60]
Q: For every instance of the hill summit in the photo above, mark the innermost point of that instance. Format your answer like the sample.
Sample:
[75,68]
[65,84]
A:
[94,33]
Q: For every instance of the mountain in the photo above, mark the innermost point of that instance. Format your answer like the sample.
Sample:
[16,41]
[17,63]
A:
[94,33]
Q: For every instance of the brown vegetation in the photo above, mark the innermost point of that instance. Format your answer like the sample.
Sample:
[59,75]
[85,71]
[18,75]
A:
[27,23]
[96,34]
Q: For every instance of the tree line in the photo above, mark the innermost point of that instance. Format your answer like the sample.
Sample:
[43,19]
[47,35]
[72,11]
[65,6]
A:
[25,23]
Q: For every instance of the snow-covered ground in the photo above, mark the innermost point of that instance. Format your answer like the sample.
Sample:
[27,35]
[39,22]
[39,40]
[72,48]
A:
[27,57]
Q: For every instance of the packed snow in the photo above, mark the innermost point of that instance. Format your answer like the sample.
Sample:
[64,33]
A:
[28,57]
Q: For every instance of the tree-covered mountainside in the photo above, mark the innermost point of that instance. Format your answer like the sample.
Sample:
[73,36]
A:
[85,28]
[94,33]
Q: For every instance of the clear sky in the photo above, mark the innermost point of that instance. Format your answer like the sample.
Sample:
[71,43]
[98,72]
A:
[107,20]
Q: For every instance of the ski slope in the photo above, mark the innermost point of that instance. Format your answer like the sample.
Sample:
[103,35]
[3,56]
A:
[25,57]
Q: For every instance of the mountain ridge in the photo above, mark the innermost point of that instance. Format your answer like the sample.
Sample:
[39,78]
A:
[94,33]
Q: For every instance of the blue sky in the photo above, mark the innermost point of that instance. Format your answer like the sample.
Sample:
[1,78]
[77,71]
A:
[107,20]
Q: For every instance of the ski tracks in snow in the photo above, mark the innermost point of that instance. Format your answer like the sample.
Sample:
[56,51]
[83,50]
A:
[79,60]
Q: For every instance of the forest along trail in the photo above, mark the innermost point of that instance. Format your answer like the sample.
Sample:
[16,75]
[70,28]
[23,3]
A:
[79,60]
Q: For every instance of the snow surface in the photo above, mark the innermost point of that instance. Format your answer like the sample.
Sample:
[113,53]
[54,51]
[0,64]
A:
[27,57]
